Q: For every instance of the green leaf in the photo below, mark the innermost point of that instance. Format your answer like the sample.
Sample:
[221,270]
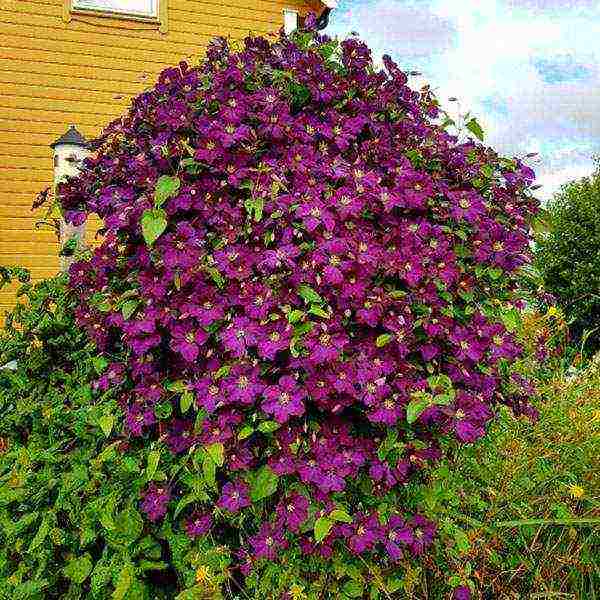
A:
[108,453]
[216,276]
[186,400]
[415,408]
[444,399]
[209,471]
[494,273]
[40,536]
[124,582]
[216,453]
[78,569]
[163,410]
[128,308]
[69,247]
[511,319]
[462,541]
[475,128]
[488,171]
[268,426]
[255,207]
[264,484]
[245,432]
[153,460]
[323,526]
[128,527]
[440,382]
[154,222]
[388,443]
[318,311]
[100,364]
[222,371]
[295,315]
[187,500]
[166,187]
[393,584]
[106,514]
[309,295]
[340,515]
[176,386]
[303,329]
[383,339]
[106,423]
[353,589]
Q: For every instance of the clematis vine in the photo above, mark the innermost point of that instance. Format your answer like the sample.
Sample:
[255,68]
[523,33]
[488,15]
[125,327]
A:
[300,289]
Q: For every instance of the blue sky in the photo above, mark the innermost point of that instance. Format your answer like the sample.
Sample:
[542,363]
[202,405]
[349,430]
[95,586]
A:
[528,69]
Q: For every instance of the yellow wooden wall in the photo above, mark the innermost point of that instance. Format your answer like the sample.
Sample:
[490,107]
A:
[54,73]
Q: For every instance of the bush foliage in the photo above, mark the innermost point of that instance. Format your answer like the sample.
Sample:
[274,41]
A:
[305,296]
[568,257]
[70,525]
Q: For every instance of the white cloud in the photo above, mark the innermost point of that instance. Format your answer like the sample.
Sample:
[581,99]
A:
[491,55]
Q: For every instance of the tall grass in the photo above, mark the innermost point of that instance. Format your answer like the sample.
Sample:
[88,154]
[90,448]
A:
[527,499]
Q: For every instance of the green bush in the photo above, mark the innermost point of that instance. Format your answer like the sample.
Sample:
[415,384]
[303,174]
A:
[69,521]
[567,255]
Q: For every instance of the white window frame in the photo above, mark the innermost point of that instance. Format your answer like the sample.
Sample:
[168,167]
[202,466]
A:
[291,20]
[96,6]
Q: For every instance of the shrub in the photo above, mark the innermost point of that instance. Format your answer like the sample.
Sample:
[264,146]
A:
[568,257]
[49,438]
[70,525]
[302,296]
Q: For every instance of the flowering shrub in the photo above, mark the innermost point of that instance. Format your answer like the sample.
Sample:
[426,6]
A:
[300,292]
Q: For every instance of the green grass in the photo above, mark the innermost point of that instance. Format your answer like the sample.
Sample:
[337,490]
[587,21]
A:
[524,530]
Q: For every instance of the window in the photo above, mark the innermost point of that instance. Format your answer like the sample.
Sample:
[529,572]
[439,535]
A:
[290,20]
[138,8]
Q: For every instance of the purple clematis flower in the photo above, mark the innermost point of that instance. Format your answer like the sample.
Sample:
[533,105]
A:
[293,511]
[199,524]
[268,542]
[284,400]
[462,592]
[423,532]
[234,497]
[396,535]
[240,335]
[137,418]
[367,533]
[243,385]
[155,501]
[274,340]
[187,341]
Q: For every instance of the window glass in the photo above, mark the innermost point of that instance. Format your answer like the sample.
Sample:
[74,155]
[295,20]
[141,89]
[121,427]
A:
[130,7]
[290,20]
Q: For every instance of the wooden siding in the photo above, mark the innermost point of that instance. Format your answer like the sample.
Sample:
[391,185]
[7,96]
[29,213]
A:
[54,73]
